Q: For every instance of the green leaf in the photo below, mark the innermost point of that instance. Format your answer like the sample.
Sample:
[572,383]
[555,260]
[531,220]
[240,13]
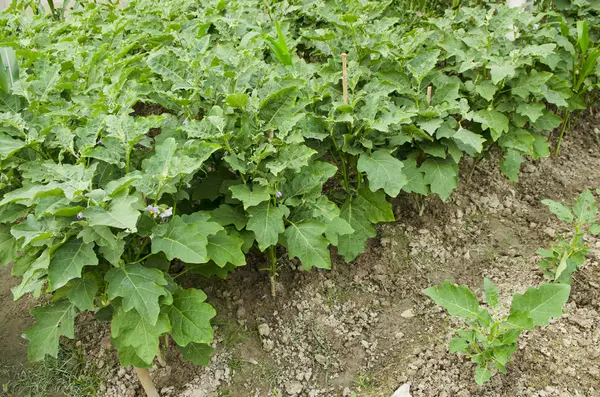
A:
[511,164]
[361,212]
[229,215]
[500,72]
[139,287]
[555,97]
[540,147]
[292,157]
[482,375]
[491,292]
[190,317]
[459,345]
[128,130]
[27,195]
[83,292]
[305,240]
[276,109]
[325,209]
[441,175]
[337,227]
[200,220]
[33,230]
[168,65]
[433,149]
[375,205]
[472,142]
[486,89]
[531,83]
[34,276]
[353,244]
[9,68]
[585,208]
[494,120]
[309,181]
[533,111]
[384,172]
[136,338]
[519,320]
[197,353]
[542,303]
[9,146]
[121,214]
[414,177]
[68,261]
[424,62]
[266,221]
[167,163]
[583,38]
[181,240]
[458,300]
[431,125]
[52,322]
[223,249]
[250,198]
[561,211]
[237,100]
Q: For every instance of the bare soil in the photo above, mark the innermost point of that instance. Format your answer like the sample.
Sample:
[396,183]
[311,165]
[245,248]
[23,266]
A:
[366,327]
[14,319]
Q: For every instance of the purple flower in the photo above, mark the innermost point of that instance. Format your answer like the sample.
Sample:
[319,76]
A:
[167,213]
[99,142]
[80,216]
[278,194]
[186,122]
[152,209]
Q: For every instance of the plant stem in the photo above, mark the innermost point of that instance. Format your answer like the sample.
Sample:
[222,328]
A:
[562,132]
[161,360]
[345,172]
[142,259]
[127,160]
[146,382]
[272,269]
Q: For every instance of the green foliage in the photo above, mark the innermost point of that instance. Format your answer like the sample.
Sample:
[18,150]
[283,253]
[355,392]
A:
[490,338]
[567,254]
[135,137]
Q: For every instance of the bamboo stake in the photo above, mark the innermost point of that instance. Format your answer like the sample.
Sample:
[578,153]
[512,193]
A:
[146,381]
[345,77]
[429,90]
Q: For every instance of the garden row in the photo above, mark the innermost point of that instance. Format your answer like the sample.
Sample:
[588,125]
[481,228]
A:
[141,143]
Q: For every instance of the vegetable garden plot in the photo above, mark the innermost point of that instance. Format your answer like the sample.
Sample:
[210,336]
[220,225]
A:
[253,146]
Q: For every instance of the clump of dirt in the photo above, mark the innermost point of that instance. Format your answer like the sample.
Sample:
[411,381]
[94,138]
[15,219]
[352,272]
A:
[366,327]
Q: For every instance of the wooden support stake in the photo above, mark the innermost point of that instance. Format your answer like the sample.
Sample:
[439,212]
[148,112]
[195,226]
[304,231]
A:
[146,381]
[345,77]
[429,90]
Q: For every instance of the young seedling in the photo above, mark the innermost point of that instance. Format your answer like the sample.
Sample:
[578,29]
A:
[490,338]
[565,257]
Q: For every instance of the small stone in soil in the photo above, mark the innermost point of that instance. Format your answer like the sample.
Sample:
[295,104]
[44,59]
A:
[407,314]
[264,330]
